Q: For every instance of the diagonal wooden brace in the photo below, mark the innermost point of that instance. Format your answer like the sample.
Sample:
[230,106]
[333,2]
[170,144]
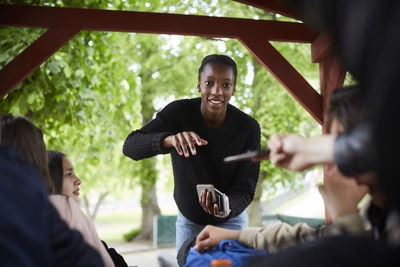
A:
[33,56]
[286,74]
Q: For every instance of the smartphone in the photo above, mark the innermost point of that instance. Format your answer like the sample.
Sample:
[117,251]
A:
[220,199]
[209,188]
[217,196]
[247,156]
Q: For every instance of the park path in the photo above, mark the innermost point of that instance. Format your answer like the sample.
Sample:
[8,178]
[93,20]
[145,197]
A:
[142,254]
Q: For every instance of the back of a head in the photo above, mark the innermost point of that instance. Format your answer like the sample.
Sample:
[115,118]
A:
[345,104]
[56,169]
[27,139]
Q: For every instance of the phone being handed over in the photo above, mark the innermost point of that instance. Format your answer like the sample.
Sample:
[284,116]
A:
[247,156]
[217,196]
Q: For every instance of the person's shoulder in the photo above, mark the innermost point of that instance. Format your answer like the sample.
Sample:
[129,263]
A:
[64,204]
[185,104]
[242,118]
[58,199]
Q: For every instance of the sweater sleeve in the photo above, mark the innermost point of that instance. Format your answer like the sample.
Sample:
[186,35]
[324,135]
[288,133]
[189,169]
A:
[274,237]
[146,142]
[245,179]
[278,236]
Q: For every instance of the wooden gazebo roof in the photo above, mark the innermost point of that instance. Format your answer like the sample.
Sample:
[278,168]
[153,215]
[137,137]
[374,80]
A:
[64,23]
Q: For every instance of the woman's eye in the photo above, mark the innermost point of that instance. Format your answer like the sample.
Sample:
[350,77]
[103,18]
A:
[227,85]
[208,83]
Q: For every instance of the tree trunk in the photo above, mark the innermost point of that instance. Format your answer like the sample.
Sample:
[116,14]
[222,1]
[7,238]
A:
[149,209]
[92,213]
[148,199]
[255,206]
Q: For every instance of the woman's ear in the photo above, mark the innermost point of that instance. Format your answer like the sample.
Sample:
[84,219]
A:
[198,87]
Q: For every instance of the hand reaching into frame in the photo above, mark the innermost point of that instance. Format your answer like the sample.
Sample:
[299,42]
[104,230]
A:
[296,153]
[211,235]
[183,142]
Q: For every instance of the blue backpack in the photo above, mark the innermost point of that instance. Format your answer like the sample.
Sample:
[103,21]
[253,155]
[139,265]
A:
[227,249]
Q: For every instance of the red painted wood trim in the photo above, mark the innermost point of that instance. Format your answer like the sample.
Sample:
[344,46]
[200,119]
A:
[321,47]
[146,22]
[332,75]
[34,55]
[286,74]
[273,6]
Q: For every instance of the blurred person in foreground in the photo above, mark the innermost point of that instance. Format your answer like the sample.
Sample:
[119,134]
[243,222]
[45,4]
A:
[366,36]
[54,244]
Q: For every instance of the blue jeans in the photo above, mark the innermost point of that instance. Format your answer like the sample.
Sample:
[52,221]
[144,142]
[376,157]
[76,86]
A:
[187,229]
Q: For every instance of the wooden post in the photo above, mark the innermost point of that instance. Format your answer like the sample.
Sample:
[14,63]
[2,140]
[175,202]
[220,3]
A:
[331,75]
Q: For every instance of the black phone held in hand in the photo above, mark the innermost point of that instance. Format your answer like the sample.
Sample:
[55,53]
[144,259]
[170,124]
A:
[247,156]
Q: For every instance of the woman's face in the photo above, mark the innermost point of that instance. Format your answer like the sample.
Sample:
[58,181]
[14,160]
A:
[217,85]
[71,182]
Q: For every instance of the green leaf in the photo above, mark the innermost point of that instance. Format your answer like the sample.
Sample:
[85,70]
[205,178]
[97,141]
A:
[54,67]
[3,57]
[79,73]
[67,72]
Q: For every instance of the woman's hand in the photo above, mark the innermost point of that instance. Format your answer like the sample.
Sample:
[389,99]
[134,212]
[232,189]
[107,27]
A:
[211,235]
[208,204]
[184,141]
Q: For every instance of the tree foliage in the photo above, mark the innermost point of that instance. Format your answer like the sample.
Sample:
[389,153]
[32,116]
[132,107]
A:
[101,85]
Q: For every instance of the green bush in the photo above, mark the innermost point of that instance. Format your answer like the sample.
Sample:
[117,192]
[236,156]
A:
[129,236]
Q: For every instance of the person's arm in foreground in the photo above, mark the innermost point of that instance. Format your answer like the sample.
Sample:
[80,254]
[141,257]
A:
[270,238]
[341,195]
[211,235]
[353,152]
[296,153]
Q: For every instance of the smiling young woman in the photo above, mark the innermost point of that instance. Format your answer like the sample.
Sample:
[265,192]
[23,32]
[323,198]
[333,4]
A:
[217,84]
[199,133]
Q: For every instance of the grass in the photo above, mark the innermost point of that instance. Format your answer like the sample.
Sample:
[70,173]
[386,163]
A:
[122,217]
[112,226]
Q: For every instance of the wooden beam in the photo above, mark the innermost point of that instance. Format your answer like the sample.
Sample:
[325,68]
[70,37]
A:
[34,55]
[332,76]
[146,22]
[286,74]
[331,71]
[273,6]
[321,47]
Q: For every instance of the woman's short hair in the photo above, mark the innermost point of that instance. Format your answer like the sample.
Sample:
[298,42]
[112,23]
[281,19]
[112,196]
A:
[56,169]
[27,139]
[218,59]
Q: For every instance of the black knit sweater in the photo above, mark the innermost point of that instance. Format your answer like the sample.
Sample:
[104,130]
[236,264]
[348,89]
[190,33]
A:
[238,134]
